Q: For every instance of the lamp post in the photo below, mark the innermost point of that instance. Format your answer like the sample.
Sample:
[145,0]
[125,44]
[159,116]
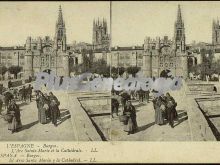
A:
[110,45]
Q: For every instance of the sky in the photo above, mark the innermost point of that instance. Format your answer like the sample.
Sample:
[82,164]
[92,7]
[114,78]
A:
[133,21]
[18,20]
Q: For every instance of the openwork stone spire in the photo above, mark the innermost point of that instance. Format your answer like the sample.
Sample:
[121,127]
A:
[60,16]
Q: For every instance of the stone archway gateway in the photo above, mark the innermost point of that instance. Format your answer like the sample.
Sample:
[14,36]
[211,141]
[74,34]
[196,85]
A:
[47,71]
[166,73]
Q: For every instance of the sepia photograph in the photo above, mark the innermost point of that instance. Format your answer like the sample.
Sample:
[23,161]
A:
[169,40]
[109,81]
[64,38]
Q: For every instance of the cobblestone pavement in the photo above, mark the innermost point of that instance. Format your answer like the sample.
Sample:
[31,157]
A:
[34,131]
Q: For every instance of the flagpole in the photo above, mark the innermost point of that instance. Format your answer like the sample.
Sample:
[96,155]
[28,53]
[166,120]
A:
[110,45]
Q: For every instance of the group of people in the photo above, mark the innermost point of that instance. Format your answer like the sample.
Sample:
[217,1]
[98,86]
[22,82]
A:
[164,106]
[128,116]
[8,98]
[165,109]
[24,94]
[48,107]
[140,95]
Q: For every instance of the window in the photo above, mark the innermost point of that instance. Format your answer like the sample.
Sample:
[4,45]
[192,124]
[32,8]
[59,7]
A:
[3,62]
[42,61]
[140,63]
[52,61]
[122,57]
[140,56]
[21,56]
[161,64]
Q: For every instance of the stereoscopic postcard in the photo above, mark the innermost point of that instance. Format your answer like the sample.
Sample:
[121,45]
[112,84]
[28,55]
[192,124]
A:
[109,82]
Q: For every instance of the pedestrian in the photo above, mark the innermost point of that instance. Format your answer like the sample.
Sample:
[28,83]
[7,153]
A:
[171,109]
[1,102]
[54,103]
[114,106]
[141,95]
[42,106]
[131,123]
[147,95]
[8,96]
[15,93]
[159,108]
[214,89]
[29,92]
[124,98]
[23,94]
[15,120]
[37,95]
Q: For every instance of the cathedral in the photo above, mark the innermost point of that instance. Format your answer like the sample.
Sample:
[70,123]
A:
[100,39]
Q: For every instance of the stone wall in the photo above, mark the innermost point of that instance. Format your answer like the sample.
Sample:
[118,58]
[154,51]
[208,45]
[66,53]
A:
[199,127]
[82,124]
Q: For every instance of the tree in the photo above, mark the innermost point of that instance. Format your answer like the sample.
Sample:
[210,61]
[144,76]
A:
[100,67]
[15,70]
[133,70]
[87,56]
[3,70]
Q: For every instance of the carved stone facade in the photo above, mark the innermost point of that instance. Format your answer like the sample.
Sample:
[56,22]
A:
[156,55]
[101,38]
[47,54]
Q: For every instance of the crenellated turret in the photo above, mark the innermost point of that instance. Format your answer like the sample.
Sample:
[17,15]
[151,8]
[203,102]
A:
[28,43]
[100,34]
[157,47]
[39,43]
[147,43]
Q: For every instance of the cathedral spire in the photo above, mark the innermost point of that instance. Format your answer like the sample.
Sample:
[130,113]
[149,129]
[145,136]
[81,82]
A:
[179,15]
[60,16]
[179,33]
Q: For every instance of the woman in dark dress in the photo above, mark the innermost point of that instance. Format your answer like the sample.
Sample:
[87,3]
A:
[54,103]
[42,109]
[15,121]
[159,108]
[130,112]
[171,109]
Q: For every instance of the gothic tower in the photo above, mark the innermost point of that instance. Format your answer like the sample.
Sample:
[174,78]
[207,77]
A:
[179,33]
[147,58]
[100,37]
[61,46]
[28,68]
[60,33]
[180,46]
[215,32]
